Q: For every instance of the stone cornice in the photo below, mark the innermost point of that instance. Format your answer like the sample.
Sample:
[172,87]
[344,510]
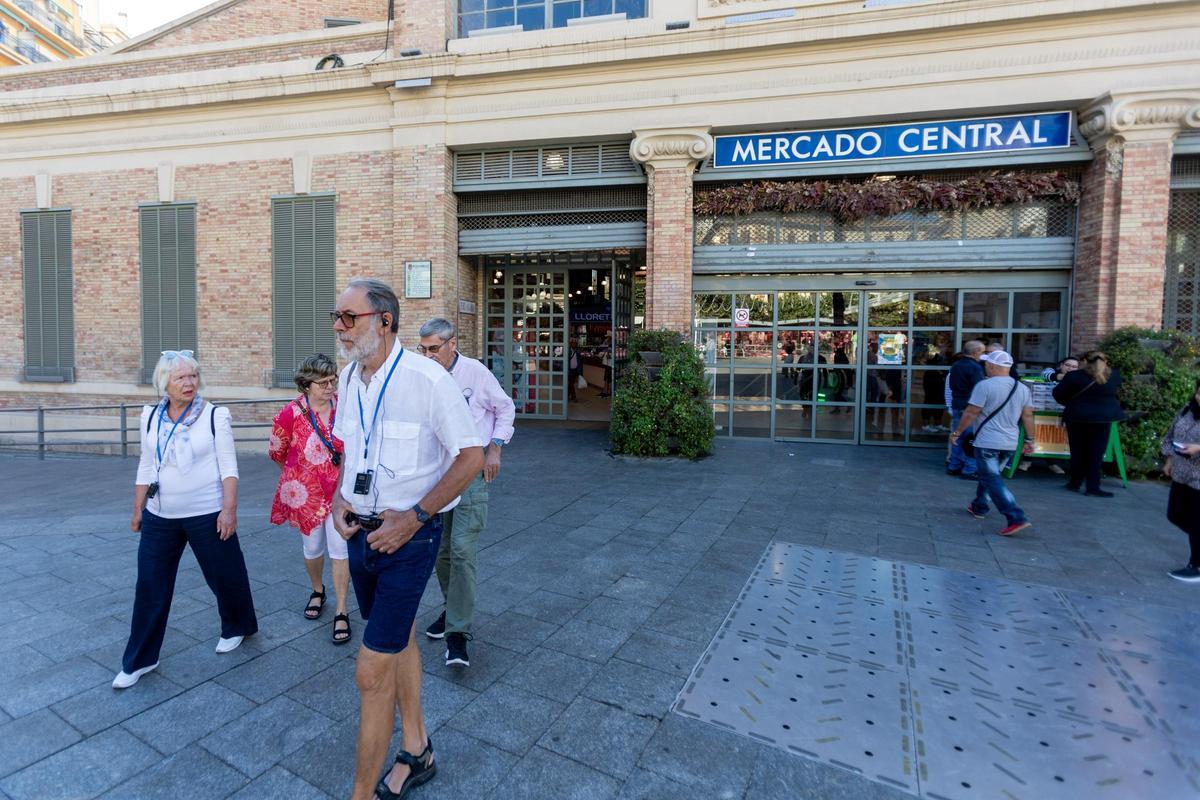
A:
[667,148]
[1135,116]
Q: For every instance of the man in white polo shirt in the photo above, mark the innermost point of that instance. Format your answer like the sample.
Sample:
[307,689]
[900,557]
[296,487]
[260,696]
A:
[411,448]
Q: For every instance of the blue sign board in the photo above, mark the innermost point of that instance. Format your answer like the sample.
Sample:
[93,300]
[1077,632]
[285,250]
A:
[908,140]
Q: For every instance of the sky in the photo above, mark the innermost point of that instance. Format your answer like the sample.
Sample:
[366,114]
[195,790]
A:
[143,15]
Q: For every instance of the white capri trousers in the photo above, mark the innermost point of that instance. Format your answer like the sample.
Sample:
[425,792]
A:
[325,538]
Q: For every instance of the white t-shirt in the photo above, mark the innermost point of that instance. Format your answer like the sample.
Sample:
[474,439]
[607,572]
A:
[1001,431]
[194,464]
[421,427]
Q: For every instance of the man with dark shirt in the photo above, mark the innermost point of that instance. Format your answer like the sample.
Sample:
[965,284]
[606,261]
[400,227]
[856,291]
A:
[964,374]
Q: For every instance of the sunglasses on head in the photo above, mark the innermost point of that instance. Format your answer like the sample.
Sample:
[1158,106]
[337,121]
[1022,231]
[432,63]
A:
[178,353]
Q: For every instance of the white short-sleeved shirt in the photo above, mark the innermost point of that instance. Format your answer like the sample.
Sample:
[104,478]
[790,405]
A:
[194,464]
[421,427]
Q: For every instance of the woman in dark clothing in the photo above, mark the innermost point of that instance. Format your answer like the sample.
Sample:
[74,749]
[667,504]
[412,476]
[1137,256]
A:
[1181,446]
[1090,406]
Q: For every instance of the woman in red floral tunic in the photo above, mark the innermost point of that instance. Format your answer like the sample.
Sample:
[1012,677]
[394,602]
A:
[302,442]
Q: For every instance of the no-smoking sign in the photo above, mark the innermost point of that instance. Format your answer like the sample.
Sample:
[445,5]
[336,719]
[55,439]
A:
[741,318]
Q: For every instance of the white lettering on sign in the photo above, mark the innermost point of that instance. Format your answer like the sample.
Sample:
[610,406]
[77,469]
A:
[904,145]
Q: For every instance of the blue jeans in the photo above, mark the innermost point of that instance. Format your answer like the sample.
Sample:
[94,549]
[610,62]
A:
[991,463]
[958,459]
[389,585]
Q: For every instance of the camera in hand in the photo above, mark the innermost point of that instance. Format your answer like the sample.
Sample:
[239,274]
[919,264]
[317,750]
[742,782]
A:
[151,490]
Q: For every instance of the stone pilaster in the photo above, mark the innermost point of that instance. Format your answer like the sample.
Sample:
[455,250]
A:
[670,156]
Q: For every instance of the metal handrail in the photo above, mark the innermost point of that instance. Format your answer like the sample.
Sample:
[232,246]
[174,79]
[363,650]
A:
[45,438]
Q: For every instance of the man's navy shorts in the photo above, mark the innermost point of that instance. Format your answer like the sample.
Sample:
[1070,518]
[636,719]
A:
[389,587]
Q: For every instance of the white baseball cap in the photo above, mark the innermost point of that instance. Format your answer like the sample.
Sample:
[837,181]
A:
[999,358]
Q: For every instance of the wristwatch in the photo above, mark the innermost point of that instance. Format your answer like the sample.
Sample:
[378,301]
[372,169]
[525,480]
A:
[422,515]
[498,442]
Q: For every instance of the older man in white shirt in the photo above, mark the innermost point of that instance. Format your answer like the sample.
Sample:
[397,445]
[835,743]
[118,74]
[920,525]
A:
[411,448]
[493,412]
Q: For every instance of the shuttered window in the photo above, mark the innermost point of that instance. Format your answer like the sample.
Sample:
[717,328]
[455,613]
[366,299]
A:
[168,250]
[304,280]
[49,310]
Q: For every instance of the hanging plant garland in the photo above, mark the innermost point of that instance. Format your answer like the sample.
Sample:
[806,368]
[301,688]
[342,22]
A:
[850,202]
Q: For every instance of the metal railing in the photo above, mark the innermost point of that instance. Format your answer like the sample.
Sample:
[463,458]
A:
[49,21]
[116,434]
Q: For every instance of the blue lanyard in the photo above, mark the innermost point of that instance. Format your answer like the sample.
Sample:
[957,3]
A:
[159,445]
[312,418]
[378,402]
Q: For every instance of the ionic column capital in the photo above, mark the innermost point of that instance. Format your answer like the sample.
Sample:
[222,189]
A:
[1139,116]
[666,148]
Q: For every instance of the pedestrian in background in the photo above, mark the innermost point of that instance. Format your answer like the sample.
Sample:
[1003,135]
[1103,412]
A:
[1003,402]
[493,412]
[1181,446]
[303,444]
[185,494]
[1090,407]
[965,373]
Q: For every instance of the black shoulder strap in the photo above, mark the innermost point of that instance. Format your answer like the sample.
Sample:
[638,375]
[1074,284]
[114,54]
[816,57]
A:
[988,419]
[149,419]
[212,419]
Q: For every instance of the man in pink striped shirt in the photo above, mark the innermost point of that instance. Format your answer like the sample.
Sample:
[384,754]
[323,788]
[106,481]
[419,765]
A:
[493,412]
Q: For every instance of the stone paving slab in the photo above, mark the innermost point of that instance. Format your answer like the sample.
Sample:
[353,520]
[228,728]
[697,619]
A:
[602,581]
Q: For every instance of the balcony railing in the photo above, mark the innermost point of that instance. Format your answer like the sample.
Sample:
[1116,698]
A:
[60,30]
[24,49]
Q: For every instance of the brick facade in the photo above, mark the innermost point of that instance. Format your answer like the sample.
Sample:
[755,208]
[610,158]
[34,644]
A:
[669,225]
[424,25]
[1122,241]
[247,18]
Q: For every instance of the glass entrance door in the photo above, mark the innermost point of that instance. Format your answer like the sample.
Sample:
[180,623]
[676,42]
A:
[526,338]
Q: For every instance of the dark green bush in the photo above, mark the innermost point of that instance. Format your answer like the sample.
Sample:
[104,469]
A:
[666,414]
[1157,382]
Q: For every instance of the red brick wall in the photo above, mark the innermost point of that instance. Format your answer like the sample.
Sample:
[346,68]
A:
[669,226]
[15,194]
[424,25]
[249,18]
[425,227]
[1120,251]
[85,71]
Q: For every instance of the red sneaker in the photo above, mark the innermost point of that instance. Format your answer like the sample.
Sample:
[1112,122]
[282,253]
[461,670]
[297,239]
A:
[974,513]
[1016,526]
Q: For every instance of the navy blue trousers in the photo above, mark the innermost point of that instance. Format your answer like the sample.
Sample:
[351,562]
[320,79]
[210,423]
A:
[159,551]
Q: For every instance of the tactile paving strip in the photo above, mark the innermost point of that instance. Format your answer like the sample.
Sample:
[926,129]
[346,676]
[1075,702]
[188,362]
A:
[949,686]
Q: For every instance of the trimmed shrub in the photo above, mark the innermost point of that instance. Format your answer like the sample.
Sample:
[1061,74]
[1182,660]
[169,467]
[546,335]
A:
[1159,372]
[669,413]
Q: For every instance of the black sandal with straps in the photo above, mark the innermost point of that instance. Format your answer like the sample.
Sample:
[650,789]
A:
[314,612]
[341,635]
[421,769]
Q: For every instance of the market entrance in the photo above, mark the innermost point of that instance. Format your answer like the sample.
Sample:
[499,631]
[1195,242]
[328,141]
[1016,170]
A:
[859,366]
[557,329]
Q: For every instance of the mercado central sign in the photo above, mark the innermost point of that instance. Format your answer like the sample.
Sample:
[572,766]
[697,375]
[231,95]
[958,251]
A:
[957,137]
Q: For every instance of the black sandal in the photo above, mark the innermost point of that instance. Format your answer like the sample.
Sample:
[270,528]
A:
[344,635]
[421,769]
[314,612]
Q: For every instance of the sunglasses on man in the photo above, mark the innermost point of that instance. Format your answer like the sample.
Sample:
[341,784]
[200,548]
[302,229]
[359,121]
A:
[348,318]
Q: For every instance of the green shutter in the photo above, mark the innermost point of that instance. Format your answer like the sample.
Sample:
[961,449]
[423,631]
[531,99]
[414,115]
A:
[168,250]
[49,302]
[304,267]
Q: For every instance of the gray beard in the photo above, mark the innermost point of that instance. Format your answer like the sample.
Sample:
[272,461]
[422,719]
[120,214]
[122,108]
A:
[365,346]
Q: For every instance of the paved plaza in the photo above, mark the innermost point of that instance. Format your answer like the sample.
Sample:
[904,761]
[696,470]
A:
[603,582]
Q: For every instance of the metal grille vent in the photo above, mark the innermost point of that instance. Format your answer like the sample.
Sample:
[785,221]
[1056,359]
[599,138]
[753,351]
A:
[1181,284]
[558,162]
[1027,221]
[539,220]
[1186,167]
[552,201]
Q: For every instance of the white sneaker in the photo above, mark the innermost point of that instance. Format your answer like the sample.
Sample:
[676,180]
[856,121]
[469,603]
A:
[230,644]
[124,680]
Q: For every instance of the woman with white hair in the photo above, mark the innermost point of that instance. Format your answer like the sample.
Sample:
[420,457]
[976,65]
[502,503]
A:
[185,494]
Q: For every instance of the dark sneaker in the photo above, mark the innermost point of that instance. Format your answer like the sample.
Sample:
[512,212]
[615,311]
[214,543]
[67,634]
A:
[970,476]
[1099,493]
[456,650]
[1188,574]
[438,629]
[954,472]
[1072,487]
[971,510]
[1016,526]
